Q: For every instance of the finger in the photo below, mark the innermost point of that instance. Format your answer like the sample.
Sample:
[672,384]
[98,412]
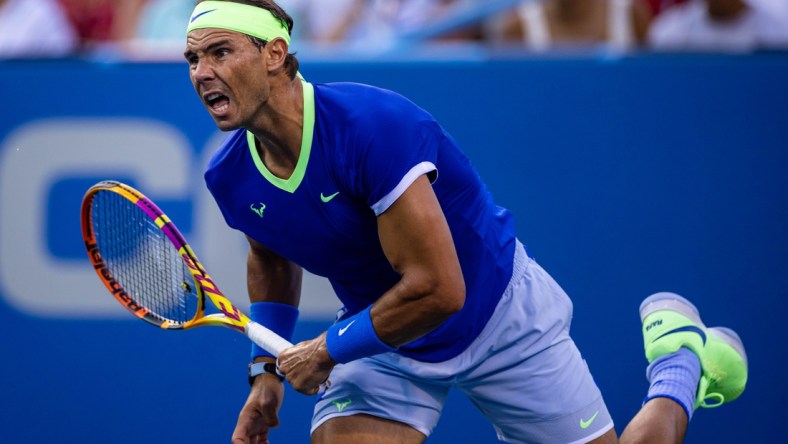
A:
[279,369]
[311,391]
[246,427]
[270,419]
[240,439]
[324,386]
[239,434]
[261,438]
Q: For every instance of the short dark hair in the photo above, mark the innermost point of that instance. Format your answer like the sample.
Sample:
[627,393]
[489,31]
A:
[291,62]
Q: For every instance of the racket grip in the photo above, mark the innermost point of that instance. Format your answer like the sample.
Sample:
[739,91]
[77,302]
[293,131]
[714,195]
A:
[267,339]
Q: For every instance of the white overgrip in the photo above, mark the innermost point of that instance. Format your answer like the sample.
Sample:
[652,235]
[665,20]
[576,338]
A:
[267,339]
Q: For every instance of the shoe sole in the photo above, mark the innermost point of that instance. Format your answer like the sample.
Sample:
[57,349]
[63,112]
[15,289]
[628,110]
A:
[731,338]
[672,302]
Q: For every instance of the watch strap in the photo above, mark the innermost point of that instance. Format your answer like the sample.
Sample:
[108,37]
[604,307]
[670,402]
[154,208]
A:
[258,368]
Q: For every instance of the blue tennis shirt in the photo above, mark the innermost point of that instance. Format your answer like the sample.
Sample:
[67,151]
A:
[362,147]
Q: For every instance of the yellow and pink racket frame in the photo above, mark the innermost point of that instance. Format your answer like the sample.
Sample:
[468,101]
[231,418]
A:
[230,316]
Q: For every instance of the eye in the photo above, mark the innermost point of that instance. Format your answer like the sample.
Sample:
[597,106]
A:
[221,52]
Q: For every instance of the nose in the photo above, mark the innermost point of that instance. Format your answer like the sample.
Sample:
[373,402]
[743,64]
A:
[203,71]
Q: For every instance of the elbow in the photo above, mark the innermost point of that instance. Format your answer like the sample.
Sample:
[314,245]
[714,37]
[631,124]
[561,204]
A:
[444,296]
[454,297]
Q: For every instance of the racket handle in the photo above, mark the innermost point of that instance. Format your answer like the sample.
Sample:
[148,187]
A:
[267,339]
[274,344]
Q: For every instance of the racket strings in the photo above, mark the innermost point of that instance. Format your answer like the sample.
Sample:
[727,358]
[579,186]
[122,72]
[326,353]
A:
[142,258]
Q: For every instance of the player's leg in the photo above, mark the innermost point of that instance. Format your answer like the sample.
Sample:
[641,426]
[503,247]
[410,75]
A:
[366,429]
[528,378]
[660,420]
[370,400]
[548,397]
[690,366]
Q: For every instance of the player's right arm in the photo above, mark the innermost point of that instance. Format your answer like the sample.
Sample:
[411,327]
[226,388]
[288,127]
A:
[270,278]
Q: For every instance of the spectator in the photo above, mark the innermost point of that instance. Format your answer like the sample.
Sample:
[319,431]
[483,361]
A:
[162,23]
[164,20]
[160,30]
[550,24]
[100,22]
[657,6]
[35,28]
[720,25]
[380,22]
[323,21]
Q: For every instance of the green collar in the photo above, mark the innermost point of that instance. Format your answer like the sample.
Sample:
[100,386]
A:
[291,184]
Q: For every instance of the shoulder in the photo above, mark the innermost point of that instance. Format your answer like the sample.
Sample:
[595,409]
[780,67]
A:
[365,103]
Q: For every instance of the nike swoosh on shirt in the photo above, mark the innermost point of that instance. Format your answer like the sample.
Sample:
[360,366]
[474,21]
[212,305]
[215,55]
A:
[343,329]
[325,199]
[200,15]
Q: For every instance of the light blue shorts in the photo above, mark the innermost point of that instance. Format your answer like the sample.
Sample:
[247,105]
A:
[523,373]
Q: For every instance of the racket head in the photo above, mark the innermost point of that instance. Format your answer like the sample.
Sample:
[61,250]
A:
[142,258]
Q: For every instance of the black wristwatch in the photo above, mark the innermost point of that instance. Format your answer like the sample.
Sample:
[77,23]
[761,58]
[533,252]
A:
[258,368]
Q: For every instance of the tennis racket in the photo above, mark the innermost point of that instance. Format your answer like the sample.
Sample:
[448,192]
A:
[146,264]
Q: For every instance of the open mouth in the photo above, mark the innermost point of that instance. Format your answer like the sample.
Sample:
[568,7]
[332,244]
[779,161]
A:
[218,103]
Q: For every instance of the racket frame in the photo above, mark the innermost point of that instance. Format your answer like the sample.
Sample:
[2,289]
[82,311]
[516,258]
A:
[230,316]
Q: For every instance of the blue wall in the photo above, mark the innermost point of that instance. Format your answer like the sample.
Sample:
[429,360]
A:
[626,177]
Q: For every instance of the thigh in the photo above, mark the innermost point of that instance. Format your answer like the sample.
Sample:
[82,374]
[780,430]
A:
[534,385]
[365,429]
[369,394]
[548,397]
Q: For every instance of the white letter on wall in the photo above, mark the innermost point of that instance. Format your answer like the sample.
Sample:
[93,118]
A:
[35,156]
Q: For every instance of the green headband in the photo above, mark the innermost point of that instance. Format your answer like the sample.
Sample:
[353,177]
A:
[246,19]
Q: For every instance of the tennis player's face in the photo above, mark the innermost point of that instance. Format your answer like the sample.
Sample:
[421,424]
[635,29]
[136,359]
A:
[228,72]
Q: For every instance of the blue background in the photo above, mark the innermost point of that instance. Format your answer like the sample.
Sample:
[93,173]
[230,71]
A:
[626,176]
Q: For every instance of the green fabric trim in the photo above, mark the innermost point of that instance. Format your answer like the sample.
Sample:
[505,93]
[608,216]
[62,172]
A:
[238,17]
[291,184]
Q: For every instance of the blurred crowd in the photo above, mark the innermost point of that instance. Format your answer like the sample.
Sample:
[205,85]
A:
[57,28]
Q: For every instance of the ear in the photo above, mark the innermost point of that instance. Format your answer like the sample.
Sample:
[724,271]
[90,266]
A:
[277,52]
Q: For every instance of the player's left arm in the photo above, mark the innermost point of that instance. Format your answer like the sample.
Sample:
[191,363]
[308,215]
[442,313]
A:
[416,240]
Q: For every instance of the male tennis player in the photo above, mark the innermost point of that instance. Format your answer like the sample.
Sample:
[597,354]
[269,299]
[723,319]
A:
[360,185]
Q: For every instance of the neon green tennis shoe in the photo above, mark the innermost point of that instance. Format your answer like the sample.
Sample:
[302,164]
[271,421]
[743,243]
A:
[671,322]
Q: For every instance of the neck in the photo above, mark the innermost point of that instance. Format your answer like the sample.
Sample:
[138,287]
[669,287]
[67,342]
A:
[279,128]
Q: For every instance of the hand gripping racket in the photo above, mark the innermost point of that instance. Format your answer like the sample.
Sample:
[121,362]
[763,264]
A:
[145,262]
